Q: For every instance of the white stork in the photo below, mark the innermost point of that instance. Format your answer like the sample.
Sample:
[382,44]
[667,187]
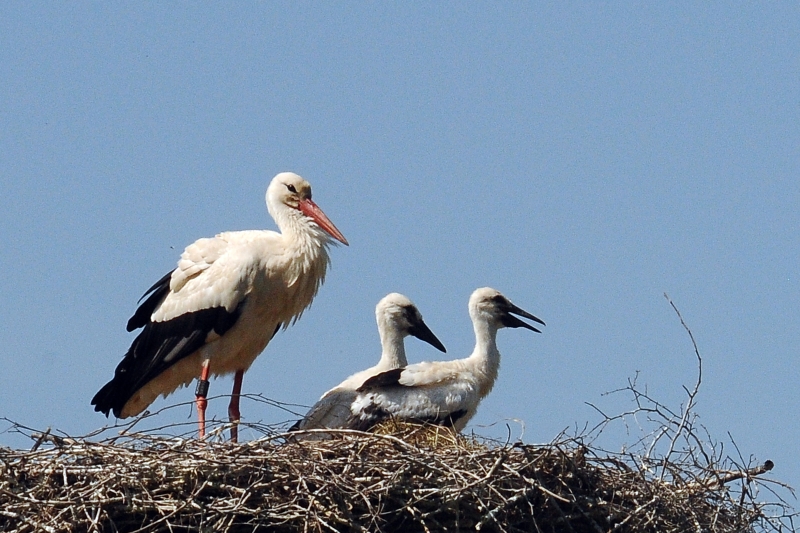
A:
[442,392]
[397,318]
[224,302]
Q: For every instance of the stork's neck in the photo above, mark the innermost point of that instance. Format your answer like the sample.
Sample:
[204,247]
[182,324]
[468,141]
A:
[305,242]
[485,359]
[305,255]
[393,347]
[300,233]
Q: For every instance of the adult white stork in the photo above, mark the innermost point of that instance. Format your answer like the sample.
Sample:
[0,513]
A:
[397,317]
[224,302]
[443,392]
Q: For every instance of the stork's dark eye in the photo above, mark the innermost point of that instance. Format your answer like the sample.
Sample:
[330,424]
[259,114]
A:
[291,188]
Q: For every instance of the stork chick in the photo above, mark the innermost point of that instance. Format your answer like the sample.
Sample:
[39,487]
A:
[397,317]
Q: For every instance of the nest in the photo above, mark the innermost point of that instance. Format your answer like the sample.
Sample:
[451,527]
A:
[415,479]
[400,478]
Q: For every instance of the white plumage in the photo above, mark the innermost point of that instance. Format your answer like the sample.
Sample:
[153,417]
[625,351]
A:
[223,303]
[442,392]
[397,317]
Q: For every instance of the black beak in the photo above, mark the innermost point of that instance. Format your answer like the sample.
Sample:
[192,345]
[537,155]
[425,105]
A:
[421,331]
[510,321]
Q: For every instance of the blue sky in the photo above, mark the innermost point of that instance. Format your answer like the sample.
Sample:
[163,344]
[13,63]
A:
[581,158]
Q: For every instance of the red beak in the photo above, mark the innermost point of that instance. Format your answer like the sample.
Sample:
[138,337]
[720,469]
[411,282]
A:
[312,211]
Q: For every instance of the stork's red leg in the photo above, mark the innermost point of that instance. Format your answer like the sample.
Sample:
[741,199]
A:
[200,398]
[233,407]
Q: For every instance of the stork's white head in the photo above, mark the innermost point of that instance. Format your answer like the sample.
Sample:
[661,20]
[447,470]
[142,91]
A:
[487,304]
[289,195]
[397,313]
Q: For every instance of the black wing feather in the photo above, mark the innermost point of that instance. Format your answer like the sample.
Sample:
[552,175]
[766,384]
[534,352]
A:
[389,378]
[147,356]
[142,315]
